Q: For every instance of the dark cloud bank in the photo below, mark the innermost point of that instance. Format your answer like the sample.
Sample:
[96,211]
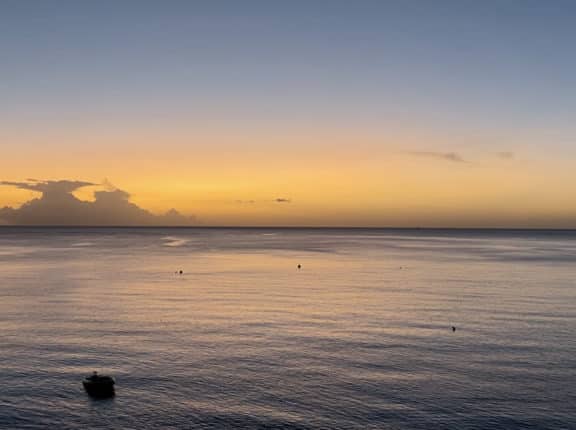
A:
[58,206]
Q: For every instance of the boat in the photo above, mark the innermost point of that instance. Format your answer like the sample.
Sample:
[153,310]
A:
[99,385]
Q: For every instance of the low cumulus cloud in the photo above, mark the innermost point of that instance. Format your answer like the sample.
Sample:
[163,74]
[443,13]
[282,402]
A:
[448,156]
[57,205]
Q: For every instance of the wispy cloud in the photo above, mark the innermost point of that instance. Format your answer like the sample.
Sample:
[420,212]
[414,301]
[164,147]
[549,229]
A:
[47,187]
[448,156]
[506,155]
[57,205]
[252,202]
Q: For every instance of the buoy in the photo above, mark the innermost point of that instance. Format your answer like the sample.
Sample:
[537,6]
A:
[453,328]
[299,266]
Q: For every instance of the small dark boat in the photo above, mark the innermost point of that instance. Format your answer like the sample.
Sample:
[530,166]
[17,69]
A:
[99,386]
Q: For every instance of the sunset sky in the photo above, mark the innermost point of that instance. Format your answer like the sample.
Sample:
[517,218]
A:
[321,113]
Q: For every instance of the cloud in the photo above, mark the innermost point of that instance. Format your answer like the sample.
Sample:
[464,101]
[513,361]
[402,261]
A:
[449,156]
[58,206]
[49,187]
[505,155]
[252,202]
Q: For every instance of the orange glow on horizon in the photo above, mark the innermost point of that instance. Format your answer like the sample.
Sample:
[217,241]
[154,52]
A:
[331,179]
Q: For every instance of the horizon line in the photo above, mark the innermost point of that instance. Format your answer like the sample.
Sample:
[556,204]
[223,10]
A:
[281,227]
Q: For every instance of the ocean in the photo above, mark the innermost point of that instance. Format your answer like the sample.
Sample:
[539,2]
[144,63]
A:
[360,337]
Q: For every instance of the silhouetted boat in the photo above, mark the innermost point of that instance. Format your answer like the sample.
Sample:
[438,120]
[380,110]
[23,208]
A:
[99,386]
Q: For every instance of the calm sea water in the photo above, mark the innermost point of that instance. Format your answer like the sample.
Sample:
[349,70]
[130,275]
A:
[359,338]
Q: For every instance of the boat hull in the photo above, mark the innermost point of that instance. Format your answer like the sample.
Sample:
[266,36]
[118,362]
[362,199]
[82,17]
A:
[99,389]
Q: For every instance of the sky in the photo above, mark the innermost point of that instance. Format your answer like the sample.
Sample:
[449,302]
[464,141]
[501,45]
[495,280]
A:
[304,113]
